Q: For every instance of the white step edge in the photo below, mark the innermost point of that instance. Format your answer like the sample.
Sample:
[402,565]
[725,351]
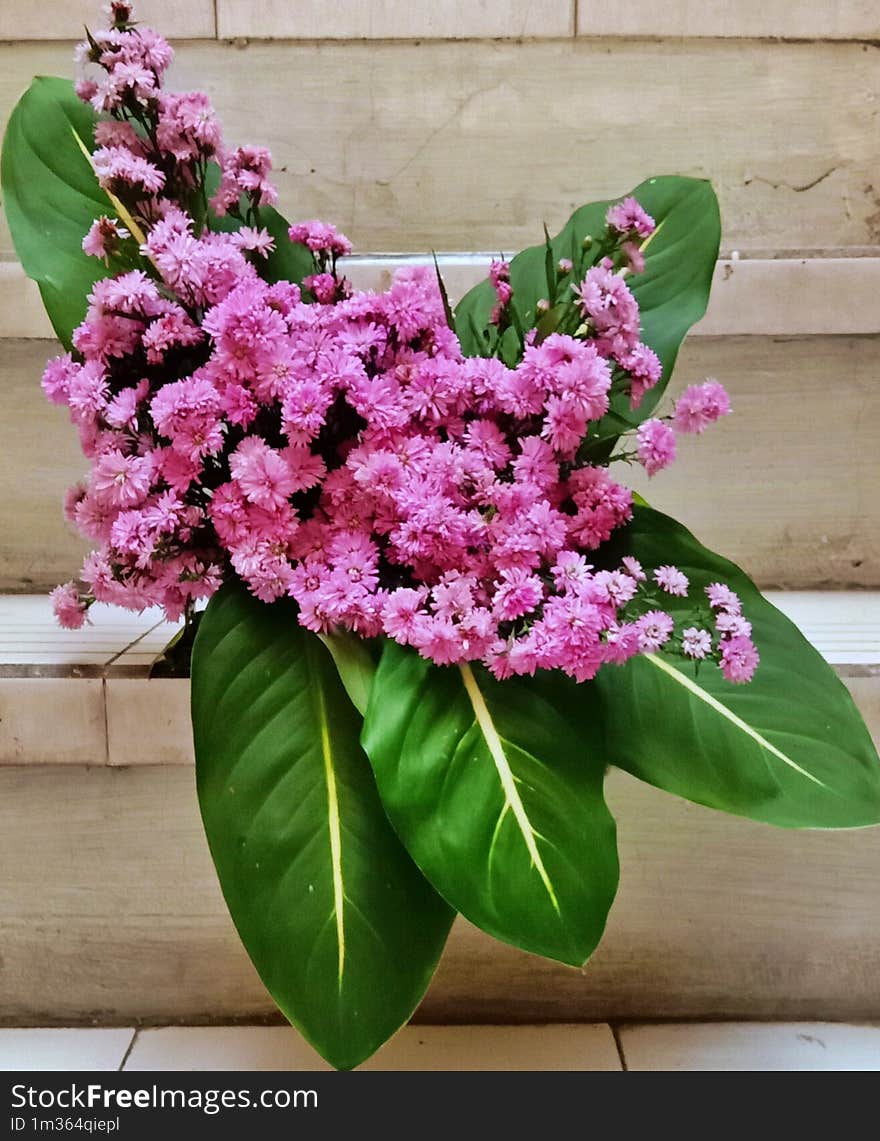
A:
[73,1049]
[565,1046]
[843,625]
[722,1046]
[751,296]
[666,1046]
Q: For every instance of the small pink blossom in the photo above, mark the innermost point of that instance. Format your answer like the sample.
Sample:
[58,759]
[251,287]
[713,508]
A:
[701,405]
[655,630]
[721,597]
[103,238]
[629,217]
[732,625]
[656,446]
[696,643]
[672,580]
[739,660]
[69,608]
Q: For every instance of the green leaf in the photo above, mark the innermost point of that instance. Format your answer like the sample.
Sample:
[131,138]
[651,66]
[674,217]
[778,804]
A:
[355,664]
[342,927]
[289,261]
[789,748]
[672,292]
[51,197]
[497,798]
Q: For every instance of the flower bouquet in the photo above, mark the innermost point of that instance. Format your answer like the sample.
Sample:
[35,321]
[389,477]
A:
[434,617]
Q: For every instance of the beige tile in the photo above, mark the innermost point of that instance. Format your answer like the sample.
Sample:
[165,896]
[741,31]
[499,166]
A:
[392,140]
[552,1047]
[52,721]
[21,307]
[773,296]
[39,1049]
[395,19]
[61,20]
[148,721]
[751,1046]
[793,19]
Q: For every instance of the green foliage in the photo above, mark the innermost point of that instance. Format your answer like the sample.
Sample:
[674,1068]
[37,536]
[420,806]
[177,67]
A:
[672,292]
[789,748]
[342,927]
[496,790]
[51,197]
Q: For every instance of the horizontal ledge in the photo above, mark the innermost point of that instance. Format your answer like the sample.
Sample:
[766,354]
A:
[751,296]
[844,626]
[96,680]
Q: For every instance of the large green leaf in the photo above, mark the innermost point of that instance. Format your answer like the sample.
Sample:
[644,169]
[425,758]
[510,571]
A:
[341,925]
[498,798]
[672,292]
[788,748]
[51,197]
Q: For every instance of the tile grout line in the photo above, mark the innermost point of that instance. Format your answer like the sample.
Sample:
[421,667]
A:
[134,1037]
[618,1042]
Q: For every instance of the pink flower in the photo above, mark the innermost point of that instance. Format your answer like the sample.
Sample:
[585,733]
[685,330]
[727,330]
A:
[518,594]
[255,241]
[70,609]
[656,446]
[655,629]
[400,612]
[739,660]
[262,474]
[672,580]
[721,597]
[605,300]
[615,587]
[119,169]
[696,643]
[320,238]
[701,405]
[103,238]
[499,276]
[645,370]
[334,445]
[732,625]
[633,568]
[57,377]
[120,480]
[633,258]
[628,217]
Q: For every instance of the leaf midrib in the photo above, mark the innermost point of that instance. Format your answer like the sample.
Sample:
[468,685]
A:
[495,745]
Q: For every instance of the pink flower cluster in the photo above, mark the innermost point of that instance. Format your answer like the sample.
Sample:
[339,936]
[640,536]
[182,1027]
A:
[336,446]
